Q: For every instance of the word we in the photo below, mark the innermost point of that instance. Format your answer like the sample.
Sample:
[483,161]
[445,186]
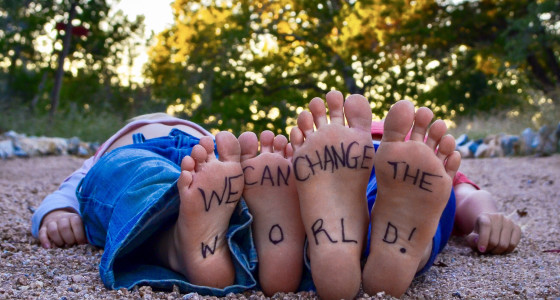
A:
[226,194]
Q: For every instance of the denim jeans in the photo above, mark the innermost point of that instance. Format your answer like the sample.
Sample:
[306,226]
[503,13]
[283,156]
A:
[130,194]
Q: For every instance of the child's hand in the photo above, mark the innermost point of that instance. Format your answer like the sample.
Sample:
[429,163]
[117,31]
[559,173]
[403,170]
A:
[61,228]
[494,233]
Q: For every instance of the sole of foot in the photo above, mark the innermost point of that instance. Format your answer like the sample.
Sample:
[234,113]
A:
[271,195]
[414,181]
[332,165]
[209,190]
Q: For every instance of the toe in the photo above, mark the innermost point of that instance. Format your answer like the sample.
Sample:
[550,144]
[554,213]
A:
[267,140]
[187,164]
[453,163]
[305,123]
[398,122]
[436,132]
[335,101]
[289,152]
[199,155]
[208,144]
[446,147]
[422,120]
[280,143]
[319,112]
[185,179]
[249,145]
[358,112]
[296,138]
[228,147]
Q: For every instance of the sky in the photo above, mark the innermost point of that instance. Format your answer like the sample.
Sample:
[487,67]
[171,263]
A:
[158,16]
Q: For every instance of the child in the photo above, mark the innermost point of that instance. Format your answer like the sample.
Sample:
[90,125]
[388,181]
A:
[163,207]
[330,176]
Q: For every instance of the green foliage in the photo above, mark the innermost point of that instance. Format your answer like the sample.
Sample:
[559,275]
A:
[29,49]
[254,64]
[229,64]
[88,127]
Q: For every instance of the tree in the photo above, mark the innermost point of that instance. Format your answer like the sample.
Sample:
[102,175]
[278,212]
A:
[487,54]
[252,65]
[34,43]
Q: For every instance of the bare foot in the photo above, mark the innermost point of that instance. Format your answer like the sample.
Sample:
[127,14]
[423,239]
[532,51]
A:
[332,166]
[414,183]
[271,196]
[209,189]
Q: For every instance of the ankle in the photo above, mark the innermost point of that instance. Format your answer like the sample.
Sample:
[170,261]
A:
[425,257]
[162,248]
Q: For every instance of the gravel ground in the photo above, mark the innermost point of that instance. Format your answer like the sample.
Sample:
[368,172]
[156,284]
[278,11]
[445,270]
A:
[527,187]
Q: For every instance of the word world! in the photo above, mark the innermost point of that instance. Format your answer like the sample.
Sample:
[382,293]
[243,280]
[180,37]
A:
[392,234]
[317,229]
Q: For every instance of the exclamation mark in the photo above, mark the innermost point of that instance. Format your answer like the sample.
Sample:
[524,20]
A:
[403,250]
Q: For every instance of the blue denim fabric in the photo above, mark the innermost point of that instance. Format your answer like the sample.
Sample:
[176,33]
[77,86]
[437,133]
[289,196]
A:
[130,194]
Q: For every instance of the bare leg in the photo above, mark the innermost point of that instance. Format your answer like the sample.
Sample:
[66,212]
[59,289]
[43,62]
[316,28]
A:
[271,195]
[414,183]
[332,167]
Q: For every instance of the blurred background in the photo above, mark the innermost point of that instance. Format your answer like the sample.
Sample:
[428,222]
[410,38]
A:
[83,68]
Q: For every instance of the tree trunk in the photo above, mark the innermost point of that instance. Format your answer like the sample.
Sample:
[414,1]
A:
[61,57]
[39,92]
[552,62]
[538,71]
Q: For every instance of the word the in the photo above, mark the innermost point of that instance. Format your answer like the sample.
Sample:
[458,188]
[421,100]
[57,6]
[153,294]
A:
[392,234]
[331,158]
[422,183]
[317,228]
[280,176]
[224,196]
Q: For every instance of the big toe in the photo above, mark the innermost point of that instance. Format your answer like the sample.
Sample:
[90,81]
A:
[228,147]
[358,112]
[398,122]
[249,145]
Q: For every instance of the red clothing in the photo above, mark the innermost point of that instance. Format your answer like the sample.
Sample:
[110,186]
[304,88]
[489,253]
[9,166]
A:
[377,132]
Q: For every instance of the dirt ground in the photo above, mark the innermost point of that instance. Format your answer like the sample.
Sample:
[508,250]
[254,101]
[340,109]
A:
[526,187]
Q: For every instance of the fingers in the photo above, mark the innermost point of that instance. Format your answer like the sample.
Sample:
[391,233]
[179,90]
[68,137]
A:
[472,240]
[43,238]
[483,227]
[65,230]
[505,238]
[515,238]
[54,235]
[494,233]
[78,229]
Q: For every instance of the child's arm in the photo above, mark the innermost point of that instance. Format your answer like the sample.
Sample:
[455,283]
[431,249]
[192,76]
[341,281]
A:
[487,229]
[56,222]
[62,227]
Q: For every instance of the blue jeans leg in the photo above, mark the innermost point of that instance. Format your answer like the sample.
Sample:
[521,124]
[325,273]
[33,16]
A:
[131,194]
